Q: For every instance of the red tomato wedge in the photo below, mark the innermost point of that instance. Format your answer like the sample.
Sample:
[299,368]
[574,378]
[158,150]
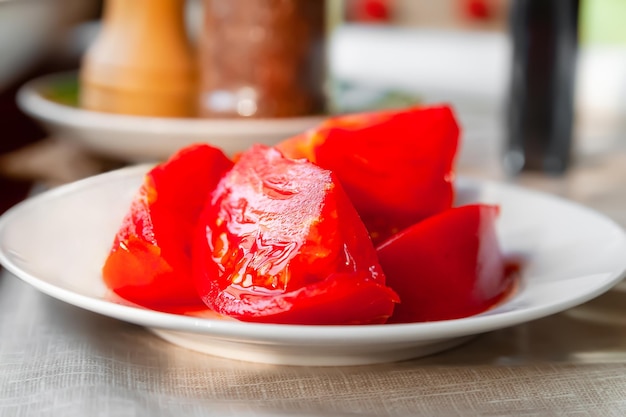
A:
[447,266]
[150,261]
[396,166]
[280,242]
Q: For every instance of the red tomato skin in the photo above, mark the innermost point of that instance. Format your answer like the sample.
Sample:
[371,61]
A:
[396,166]
[149,262]
[280,242]
[447,266]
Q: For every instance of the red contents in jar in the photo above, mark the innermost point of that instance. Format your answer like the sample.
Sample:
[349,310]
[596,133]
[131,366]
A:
[262,58]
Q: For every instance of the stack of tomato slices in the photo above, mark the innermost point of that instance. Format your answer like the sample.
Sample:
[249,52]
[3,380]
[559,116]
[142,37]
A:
[349,223]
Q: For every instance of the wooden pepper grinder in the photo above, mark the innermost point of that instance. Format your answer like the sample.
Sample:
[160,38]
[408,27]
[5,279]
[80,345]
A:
[142,62]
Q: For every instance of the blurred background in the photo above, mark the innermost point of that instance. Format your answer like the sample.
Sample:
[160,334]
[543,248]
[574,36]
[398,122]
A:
[474,54]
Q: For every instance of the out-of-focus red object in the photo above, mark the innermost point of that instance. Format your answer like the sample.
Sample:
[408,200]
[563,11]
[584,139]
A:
[477,9]
[371,11]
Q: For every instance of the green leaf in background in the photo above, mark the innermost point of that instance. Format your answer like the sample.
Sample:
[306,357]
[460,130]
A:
[63,91]
[353,97]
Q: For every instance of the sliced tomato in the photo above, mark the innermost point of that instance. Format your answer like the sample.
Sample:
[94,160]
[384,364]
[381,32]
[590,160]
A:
[150,260]
[280,242]
[396,166]
[447,266]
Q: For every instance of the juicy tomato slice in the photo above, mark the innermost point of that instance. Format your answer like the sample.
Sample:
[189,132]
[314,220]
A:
[149,262]
[396,166]
[280,242]
[447,266]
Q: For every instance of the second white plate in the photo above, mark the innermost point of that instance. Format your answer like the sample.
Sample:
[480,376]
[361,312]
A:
[144,139]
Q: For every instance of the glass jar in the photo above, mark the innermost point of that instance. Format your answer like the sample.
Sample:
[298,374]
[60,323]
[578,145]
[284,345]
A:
[262,58]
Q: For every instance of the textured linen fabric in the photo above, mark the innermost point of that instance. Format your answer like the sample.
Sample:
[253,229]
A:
[59,360]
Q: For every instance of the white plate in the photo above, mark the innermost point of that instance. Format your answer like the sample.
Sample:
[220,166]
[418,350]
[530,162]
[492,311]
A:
[146,139]
[57,242]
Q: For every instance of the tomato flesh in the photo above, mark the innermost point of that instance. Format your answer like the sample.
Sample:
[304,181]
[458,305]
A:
[396,166]
[150,260]
[279,241]
[447,266]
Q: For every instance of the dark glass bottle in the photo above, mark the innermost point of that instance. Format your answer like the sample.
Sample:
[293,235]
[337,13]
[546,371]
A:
[541,108]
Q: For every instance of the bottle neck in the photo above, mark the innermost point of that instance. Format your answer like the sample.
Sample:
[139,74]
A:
[140,16]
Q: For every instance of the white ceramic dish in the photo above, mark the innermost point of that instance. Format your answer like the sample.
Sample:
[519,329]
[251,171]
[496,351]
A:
[147,139]
[57,242]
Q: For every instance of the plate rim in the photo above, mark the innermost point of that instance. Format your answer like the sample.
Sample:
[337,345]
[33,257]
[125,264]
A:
[30,100]
[298,334]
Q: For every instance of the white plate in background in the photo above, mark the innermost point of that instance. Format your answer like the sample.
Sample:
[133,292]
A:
[146,139]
